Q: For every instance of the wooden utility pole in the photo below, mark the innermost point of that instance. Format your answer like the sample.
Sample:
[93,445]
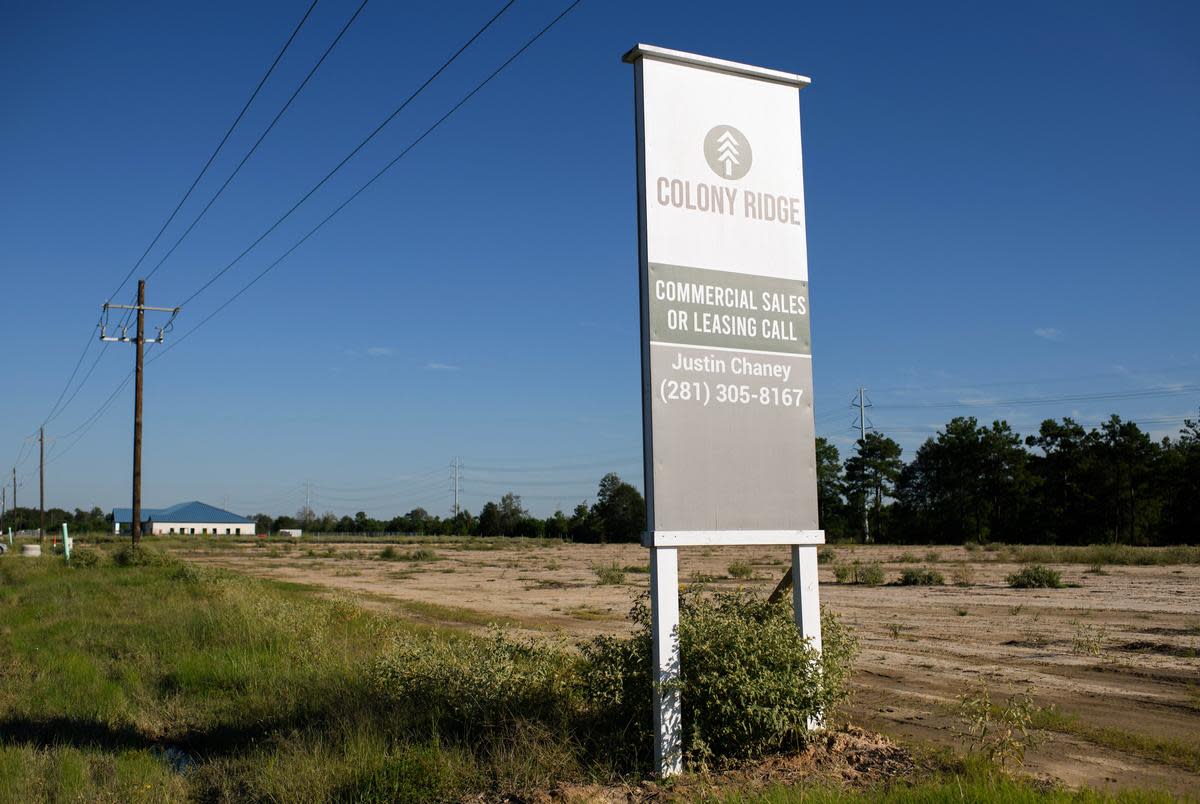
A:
[137,413]
[139,342]
[42,481]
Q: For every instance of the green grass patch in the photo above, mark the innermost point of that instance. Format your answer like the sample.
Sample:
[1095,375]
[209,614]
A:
[1180,753]
[1036,576]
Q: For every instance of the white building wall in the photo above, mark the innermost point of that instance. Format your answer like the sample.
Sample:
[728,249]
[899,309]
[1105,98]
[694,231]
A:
[199,528]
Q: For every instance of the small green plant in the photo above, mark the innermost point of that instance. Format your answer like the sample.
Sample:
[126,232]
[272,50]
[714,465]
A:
[553,566]
[961,611]
[895,629]
[741,569]
[1013,611]
[908,558]
[637,568]
[609,574]
[963,575]
[843,573]
[933,557]
[826,555]
[972,547]
[1097,568]
[388,553]
[1001,732]
[1035,576]
[921,577]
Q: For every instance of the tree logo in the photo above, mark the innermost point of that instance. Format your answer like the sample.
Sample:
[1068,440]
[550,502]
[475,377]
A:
[728,152]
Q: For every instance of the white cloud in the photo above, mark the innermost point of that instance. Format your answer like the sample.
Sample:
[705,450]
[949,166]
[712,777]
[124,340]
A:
[1049,333]
[441,367]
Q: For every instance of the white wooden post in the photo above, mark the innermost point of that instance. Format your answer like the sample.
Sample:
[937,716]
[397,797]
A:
[806,603]
[664,618]
[66,543]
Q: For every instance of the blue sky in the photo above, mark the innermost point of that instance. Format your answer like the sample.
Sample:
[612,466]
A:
[1002,204]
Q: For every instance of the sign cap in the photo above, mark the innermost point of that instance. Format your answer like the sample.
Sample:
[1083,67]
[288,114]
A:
[640,51]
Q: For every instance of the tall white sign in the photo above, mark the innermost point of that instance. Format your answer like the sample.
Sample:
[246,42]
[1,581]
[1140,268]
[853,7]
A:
[727,407]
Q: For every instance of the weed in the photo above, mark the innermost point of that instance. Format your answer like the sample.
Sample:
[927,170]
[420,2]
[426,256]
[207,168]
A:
[637,568]
[963,575]
[86,558]
[141,556]
[826,555]
[1087,639]
[1002,732]
[908,558]
[895,629]
[609,574]
[1036,576]
[933,557]
[741,569]
[961,611]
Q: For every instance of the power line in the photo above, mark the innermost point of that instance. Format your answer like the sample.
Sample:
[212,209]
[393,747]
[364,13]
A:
[220,145]
[260,139]
[352,154]
[88,344]
[371,181]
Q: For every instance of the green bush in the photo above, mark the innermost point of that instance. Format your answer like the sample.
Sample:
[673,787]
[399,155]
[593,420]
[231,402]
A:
[865,574]
[741,569]
[826,555]
[921,577]
[1035,576]
[140,556]
[749,682]
[85,558]
[869,574]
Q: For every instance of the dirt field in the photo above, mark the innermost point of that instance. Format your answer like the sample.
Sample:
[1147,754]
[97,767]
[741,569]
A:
[1116,655]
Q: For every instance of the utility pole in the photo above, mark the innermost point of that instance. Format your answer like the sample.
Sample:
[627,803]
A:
[14,491]
[42,482]
[139,342]
[457,468]
[862,441]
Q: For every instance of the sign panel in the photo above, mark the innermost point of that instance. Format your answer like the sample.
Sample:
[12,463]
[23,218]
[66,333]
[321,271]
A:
[726,351]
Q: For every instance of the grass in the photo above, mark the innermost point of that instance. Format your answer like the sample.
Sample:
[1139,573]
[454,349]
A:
[741,570]
[459,615]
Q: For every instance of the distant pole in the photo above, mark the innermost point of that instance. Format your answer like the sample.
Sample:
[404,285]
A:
[139,342]
[42,481]
[14,491]
[862,441]
[457,466]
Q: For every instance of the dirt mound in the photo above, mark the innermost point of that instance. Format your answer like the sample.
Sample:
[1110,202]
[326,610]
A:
[850,756]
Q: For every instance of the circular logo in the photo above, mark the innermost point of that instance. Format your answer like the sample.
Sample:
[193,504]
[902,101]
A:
[728,152]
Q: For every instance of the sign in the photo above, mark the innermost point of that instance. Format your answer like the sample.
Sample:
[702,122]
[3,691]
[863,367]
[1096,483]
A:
[727,350]
[727,407]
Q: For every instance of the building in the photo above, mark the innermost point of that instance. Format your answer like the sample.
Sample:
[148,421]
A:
[189,518]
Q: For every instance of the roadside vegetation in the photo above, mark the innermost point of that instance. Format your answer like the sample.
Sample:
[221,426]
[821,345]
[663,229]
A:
[141,678]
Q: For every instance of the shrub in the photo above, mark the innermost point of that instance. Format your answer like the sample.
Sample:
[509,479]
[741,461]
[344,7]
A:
[610,574]
[1035,576]
[388,553]
[826,555]
[140,556]
[843,573]
[85,558]
[741,569]
[933,556]
[750,683]
[907,558]
[869,574]
[921,577]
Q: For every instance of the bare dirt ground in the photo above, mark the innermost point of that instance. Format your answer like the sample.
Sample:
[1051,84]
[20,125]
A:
[1116,654]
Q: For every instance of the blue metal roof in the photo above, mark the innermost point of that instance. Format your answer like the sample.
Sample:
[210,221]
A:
[193,511]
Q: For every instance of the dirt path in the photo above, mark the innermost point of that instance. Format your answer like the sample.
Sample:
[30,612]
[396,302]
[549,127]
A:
[1116,655]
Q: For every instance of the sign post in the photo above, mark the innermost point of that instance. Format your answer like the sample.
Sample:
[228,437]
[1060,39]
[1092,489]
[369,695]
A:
[727,408]
[66,544]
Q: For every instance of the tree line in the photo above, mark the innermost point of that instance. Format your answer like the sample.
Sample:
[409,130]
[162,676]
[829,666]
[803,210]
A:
[617,515]
[972,482]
